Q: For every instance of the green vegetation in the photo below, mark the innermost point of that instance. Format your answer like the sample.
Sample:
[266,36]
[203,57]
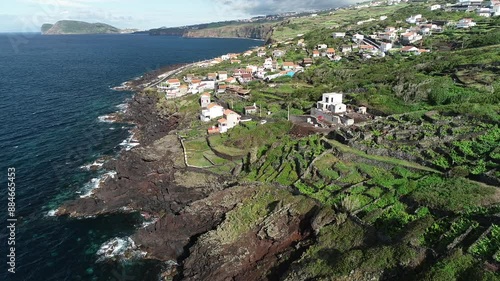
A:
[78,27]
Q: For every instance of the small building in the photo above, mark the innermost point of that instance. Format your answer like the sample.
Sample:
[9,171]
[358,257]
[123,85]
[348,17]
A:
[410,37]
[332,102]
[409,49]
[435,7]
[261,54]
[330,52]
[336,35]
[362,110]
[484,12]
[465,23]
[235,61]
[385,47]
[414,19]
[346,49]
[316,54]
[211,111]
[205,99]
[306,62]
[233,118]
[247,53]
[358,37]
[221,88]
[231,80]
[212,76]
[321,46]
[174,83]
[222,75]
[288,65]
[251,109]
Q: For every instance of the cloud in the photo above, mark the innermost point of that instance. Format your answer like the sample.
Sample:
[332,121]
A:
[268,7]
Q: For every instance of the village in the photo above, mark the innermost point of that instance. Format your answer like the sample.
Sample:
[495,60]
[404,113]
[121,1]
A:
[234,72]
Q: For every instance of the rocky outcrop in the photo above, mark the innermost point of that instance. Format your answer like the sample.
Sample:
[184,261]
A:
[254,31]
[77,27]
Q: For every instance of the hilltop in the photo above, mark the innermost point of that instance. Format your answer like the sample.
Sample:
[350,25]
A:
[78,27]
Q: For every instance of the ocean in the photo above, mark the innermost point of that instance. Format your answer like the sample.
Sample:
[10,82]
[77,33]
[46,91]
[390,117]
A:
[53,90]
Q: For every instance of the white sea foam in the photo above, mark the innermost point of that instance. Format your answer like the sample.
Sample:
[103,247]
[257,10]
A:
[51,213]
[90,187]
[106,118]
[148,223]
[122,107]
[119,249]
[129,143]
[98,164]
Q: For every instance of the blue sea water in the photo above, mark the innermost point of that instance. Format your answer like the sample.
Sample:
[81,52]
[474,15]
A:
[52,90]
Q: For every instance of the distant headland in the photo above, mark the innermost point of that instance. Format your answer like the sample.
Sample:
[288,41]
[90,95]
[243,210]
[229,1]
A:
[79,27]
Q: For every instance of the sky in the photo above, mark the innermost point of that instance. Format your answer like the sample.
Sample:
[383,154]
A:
[29,15]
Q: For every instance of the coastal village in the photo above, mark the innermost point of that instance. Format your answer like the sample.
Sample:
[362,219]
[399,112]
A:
[233,73]
[356,143]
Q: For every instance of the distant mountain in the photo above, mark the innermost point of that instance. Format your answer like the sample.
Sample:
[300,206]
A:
[78,27]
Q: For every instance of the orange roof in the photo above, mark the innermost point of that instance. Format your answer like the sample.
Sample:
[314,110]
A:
[407,48]
[211,74]
[205,95]
[315,52]
[288,63]
[222,72]
[212,104]
[184,86]
[196,81]
[229,112]
[230,79]
[222,86]
[330,50]
[173,81]
[222,120]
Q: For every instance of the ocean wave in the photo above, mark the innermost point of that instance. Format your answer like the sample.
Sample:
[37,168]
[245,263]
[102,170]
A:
[121,249]
[130,143]
[90,187]
[93,166]
[52,213]
[107,118]
[122,107]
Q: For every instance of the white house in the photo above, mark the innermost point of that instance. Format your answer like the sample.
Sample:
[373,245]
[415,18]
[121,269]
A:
[222,75]
[465,23]
[268,63]
[205,99]
[346,49]
[414,19]
[410,49]
[316,54]
[278,53]
[175,83]
[435,7]
[206,85]
[321,46]
[261,54]
[338,35]
[484,12]
[410,37]
[496,10]
[230,120]
[358,37]
[385,47]
[288,65]
[332,102]
[211,111]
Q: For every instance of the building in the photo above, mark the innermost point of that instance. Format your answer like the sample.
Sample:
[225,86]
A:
[465,23]
[211,76]
[435,7]
[330,52]
[174,83]
[321,46]
[484,12]
[332,102]
[251,109]
[205,99]
[316,54]
[306,62]
[346,49]
[231,119]
[261,54]
[211,111]
[410,37]
[288,65]
[222,75]
[268,64]
[330,108]
[414,19]
[385,47]
[358,37]
[338,35]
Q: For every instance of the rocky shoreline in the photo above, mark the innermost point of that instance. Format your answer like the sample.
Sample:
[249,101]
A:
[195,219]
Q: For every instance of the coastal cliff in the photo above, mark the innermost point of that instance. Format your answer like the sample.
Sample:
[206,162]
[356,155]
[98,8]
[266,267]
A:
[262,31]
[78,27]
